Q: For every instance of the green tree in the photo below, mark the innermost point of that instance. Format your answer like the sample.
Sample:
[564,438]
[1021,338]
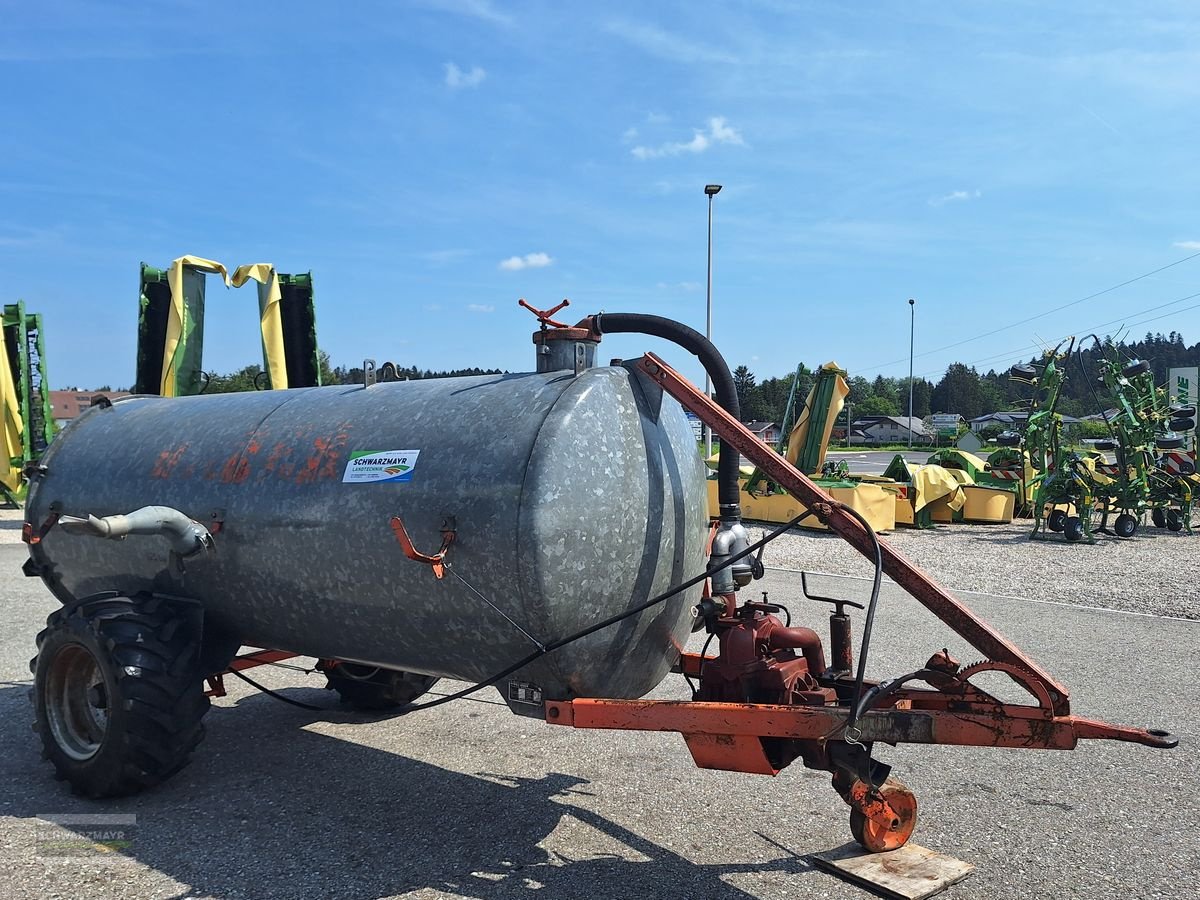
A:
[959,392]
[876,405]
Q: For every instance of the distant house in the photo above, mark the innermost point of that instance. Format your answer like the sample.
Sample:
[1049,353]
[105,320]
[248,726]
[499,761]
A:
[66,406]
[1009,421]
[1107,416]
[767,432]
[893,430]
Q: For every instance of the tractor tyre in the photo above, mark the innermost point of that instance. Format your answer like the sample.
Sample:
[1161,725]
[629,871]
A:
[1174,520]
[1186,467]
[1106,446]
[1008,439]
[1073,529]
[1023,371]
[1057,520]
[1134,369]
[1158,517]
[1125,525]
[1182,412]
[118,693]
[372,689]
[1168,443]
[1182,424]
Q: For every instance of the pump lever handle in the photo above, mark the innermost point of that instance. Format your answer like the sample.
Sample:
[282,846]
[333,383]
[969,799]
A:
[838,604]
[544,316]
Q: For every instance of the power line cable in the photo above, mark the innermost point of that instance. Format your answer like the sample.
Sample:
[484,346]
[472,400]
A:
[1107,290]
[1095,328]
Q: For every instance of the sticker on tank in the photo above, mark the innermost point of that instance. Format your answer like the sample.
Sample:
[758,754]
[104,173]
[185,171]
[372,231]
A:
[368,466]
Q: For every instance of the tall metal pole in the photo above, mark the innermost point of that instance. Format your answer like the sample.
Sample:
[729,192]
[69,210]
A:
[912,327]
[710,190]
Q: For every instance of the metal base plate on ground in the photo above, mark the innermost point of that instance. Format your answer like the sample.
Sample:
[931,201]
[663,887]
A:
[910,873]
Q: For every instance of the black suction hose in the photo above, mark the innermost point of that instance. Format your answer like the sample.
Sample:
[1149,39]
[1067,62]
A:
[728,491]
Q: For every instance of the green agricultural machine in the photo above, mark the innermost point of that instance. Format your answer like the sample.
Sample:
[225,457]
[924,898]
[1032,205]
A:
[1150,469]
[24,395]
[171,326]
[1064,483]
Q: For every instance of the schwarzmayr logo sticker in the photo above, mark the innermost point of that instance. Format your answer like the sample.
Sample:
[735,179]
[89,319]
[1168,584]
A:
[367,466]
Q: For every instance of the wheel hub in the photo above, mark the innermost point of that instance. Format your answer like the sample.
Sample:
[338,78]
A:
[76,702]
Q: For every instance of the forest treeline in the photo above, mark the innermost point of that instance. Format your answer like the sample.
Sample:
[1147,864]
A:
[963,389]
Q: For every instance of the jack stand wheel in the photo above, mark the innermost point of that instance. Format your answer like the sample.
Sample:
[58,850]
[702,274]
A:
[894,816]
[1057,520]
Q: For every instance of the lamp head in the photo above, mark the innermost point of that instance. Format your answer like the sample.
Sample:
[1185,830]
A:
[711,189]
[912,302]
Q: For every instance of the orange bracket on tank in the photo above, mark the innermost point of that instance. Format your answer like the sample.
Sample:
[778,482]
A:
[438,560]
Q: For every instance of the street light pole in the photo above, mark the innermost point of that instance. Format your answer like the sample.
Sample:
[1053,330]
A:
[710,191]
[912,327]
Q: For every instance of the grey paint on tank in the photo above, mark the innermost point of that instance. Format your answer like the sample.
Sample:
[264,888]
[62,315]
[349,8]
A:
[575,498]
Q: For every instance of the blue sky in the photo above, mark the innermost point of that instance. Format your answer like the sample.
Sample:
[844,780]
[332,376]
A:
[431,162]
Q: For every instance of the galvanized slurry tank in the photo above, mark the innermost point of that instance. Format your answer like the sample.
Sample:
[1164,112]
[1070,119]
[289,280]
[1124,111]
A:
[574,496]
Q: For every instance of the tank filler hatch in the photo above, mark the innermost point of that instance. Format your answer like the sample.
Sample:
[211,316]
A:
[560,346]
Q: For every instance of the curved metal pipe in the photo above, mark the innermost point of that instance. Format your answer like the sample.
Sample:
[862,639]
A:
[185,536]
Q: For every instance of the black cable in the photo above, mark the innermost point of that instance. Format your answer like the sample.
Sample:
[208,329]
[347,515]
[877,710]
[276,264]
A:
[270,693]
[881,690]
[611,620]
[704,650]
[870,619]
[1040,315]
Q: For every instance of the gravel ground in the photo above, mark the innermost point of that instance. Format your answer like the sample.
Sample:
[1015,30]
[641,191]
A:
[1145,574]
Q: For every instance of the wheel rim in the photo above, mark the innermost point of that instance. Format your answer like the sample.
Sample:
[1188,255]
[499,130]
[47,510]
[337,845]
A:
[879,838]
[76,702]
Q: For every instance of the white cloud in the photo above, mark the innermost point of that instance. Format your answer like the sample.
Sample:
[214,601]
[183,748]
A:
[718,133]
[528,261]
[666,45]
[629,135]
[475,9]
[456,78]
[954,197]
[1187,245]
[481,307]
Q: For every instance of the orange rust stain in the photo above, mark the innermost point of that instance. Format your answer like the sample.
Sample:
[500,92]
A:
[164,466]
[236,470]
[323,464]
[254,446]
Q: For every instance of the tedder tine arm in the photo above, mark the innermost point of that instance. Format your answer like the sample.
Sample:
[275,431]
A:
[928,592]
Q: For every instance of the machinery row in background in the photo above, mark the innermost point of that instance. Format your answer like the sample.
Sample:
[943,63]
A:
[1145,470]
[170,345]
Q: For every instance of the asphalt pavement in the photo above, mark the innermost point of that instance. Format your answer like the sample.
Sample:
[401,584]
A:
[874,462]
[468,800]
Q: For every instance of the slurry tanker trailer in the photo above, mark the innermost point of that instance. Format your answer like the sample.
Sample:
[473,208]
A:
[576,557]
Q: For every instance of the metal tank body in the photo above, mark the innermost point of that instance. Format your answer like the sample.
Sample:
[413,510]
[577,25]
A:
[575,497]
